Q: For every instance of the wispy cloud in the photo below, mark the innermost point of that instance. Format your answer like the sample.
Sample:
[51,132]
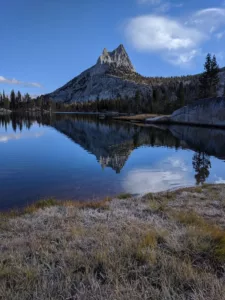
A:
[208,20]
[151,2]
[18,82]
[160,6]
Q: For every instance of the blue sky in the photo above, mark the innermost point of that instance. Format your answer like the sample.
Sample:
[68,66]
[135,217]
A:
[45,43]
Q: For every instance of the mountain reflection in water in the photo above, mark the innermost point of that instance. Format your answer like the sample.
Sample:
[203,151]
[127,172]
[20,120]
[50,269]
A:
[114,145]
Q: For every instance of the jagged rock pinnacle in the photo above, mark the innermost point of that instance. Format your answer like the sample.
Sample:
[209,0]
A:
[117,57]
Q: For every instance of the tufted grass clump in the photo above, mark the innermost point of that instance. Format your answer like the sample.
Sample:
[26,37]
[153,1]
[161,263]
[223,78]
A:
[124,196]
[41,204]
[208,239]
[189,218]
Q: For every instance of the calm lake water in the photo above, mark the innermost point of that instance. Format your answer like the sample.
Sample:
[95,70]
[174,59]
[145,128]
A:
[83,158]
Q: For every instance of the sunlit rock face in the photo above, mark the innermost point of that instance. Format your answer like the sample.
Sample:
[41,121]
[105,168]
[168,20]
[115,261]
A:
[202,112]
[100,81]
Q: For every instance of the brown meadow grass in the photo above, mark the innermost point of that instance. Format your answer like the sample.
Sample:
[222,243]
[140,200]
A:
[164,246]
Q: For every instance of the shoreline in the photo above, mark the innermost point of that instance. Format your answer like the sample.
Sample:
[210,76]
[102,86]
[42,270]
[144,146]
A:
[168,245]
[142,119]
[164,121]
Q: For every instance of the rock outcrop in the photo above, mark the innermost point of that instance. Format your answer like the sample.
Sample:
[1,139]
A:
[100,81]
[202,112]
[208,112]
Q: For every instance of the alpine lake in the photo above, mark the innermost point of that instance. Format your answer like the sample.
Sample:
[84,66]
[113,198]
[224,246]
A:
[82,158]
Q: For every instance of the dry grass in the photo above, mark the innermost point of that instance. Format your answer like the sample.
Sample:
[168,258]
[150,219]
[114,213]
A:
[166,246]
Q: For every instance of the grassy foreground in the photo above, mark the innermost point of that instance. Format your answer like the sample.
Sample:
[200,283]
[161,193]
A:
[161,246]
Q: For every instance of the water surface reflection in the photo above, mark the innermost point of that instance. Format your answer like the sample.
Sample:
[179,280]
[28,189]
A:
[82,158]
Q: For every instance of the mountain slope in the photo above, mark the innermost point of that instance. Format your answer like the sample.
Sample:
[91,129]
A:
[101,81]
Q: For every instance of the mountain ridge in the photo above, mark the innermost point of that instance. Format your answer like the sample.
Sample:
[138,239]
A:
[113,76]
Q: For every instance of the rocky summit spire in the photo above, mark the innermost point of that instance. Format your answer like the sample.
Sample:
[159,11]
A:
[117,57]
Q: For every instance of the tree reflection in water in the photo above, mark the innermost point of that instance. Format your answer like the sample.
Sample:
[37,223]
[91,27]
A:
[201,164]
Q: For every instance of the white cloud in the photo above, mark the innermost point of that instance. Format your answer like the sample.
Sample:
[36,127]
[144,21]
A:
[155,33]
[176,42]
[18,82]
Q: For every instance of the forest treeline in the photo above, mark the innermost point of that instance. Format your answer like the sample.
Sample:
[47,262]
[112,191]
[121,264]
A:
[18,102]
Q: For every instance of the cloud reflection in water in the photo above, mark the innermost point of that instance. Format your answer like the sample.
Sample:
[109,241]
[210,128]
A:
[5,138]
[167,174]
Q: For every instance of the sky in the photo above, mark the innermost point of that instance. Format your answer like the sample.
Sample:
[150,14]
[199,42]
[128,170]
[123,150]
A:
[46,43]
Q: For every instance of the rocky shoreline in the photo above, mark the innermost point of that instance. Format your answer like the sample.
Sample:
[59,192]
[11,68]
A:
[204,112]
[162,246]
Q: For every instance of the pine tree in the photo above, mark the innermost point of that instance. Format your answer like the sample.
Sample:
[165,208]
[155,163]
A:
[6,103]
[180,94]
[18,99]
[27,98]
[209,79]
[12,100]
[214,76]
[39,101]
[137,100]
[156,101]
[202,165]
[1,100]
